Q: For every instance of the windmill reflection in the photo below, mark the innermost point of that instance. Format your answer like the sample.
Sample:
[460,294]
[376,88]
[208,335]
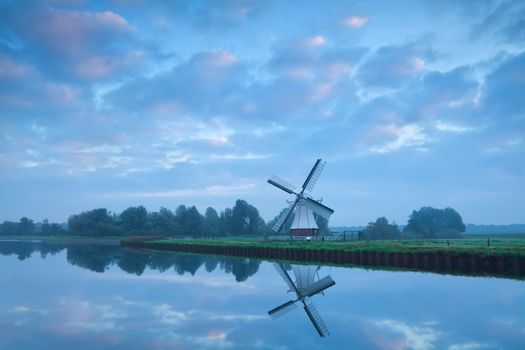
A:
[307,284]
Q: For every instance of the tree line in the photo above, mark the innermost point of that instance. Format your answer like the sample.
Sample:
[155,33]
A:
[240,220]
[100,258]
[425,223]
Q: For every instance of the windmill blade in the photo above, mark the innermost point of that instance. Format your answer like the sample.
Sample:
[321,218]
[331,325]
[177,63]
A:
[318,287]
[312,178]
[318,208]
[316,319]
[286,277]
[283,309]
[279,224]
[282,184]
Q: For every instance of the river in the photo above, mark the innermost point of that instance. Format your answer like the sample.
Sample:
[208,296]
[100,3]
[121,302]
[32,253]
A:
[86,296]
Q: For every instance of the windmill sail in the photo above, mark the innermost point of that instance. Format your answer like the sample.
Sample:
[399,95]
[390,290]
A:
[312,178]
[282,309]
[317,207]
[279,224]
[316,319]
[319,286]
[304,287]
[279,267]
[282,184]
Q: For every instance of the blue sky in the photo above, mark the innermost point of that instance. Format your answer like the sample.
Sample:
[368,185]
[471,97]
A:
[120,103]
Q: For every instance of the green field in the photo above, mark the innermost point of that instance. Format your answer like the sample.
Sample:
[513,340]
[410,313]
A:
[499,247]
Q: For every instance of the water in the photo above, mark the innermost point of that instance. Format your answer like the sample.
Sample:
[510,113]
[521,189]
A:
[92,297]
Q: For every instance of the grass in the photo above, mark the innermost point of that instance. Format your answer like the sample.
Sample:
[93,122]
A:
[498,247]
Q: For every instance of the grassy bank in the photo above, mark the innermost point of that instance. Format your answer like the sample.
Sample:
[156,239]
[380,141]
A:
[496,247]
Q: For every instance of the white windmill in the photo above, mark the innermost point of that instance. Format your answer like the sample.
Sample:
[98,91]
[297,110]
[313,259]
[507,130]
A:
[306,285]
[304,222]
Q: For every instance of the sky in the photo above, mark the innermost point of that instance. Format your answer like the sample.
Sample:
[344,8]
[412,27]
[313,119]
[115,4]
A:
[159,103]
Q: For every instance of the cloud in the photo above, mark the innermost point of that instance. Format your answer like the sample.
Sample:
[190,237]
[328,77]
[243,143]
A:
[469,346]
[417,338]
[504,86]
[216,190]
[247,156]
[317,40]
[453,127]
[169,316]
[82,314]
[406,136]
[392,66]
[10,68]
[355,21]
[207,81]
[505,21]
[76,45]
[172,158]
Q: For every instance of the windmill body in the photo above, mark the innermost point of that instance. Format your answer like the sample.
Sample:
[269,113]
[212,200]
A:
[303,207]
[303,222]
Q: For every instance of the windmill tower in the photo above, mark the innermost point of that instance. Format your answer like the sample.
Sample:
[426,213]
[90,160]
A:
[306,285]
[303,206]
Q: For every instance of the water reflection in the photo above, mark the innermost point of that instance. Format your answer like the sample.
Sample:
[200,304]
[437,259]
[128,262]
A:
[307,284]
[100,257]
[147,300]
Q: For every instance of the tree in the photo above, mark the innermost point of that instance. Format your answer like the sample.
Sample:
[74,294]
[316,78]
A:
[429,222]
[211,222]
[26,226]
[9,228]
[96,222]
[245,219]
[163,222]
[381,229]
[134,219]
[225,221]
[189,221]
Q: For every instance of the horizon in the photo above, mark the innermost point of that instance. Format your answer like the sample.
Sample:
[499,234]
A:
[114,104]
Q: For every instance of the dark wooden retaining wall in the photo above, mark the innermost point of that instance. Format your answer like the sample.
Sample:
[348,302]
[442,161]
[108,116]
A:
[466,264]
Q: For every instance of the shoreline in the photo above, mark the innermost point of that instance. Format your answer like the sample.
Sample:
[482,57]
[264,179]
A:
[449,262]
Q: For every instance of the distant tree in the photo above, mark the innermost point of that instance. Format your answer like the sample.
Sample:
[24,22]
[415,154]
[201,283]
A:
[211,222]
[189,221]
[381,229]
[134,219]
[48,229]
[245,219]
[97,222]
[226,221]
[26,226]
[9,228]
[429,222]
[45,228]
[163,222]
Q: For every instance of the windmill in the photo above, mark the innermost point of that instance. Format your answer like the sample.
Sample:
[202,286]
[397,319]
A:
[304,223]
[305,287]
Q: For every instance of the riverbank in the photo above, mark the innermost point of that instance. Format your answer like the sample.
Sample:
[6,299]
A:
[64,239]
[502,258]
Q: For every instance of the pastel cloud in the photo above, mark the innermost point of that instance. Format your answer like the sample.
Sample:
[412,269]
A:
[317,40]
[208,95]
[355,21]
